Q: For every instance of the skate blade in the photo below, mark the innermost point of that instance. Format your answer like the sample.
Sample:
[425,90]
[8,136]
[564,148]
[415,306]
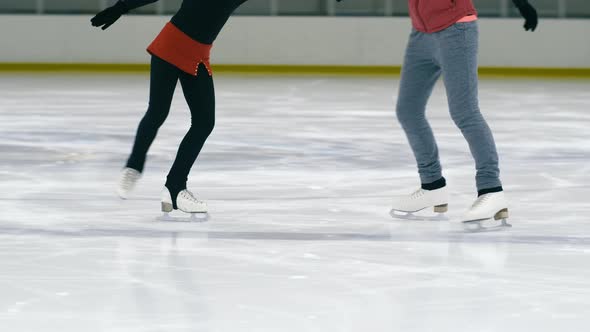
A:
[193,217]
[486,225]
[403,215]
[122,195]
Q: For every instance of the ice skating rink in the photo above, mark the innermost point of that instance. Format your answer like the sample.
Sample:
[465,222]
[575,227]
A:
[299,174]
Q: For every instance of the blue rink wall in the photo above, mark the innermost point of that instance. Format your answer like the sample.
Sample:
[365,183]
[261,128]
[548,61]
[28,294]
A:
[290,41]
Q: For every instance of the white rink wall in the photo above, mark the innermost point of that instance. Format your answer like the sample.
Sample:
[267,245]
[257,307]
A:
[288,41]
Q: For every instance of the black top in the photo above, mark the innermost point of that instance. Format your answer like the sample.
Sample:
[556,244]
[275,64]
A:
[202,20]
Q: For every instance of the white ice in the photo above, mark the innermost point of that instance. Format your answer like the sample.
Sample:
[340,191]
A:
[299,174]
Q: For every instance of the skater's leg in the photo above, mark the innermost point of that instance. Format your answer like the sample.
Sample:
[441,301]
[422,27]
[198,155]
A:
[163,78]
[419,75]
[200,96]
[458,57]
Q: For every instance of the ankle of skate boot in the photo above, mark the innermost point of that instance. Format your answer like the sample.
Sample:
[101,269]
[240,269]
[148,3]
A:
[489,191]
[139,169]
[173,196]
[440,183]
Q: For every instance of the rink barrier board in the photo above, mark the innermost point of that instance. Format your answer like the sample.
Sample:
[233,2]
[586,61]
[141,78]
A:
[289,70]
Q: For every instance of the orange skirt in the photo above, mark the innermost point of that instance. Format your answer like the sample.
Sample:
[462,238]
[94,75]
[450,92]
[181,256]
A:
[180,50]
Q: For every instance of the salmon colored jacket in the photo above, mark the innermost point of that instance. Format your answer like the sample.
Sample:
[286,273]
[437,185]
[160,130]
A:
[435,15]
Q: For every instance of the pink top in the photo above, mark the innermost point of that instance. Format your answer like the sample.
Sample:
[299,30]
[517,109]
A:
[469,18]
[436,15]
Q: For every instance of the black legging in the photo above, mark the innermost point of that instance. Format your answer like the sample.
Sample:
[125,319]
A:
[200,96]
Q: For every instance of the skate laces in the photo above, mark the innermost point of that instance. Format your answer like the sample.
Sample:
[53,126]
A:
[129,177]
[417,193]
[188,195]
[480,200]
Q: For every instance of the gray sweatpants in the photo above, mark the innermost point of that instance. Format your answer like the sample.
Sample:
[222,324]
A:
[452,53]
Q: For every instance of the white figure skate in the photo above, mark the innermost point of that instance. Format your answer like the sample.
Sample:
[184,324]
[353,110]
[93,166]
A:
[405,207]
[488,212]
[187,203]
[127,182]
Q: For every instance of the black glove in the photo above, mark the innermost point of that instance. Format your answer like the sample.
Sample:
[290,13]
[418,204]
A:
[107,17]
[529,13]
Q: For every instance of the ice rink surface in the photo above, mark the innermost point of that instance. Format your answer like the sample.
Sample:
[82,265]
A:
[299,175]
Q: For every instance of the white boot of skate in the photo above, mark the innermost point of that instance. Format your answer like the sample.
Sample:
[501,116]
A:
[127,182]
[187,203]
[486,211]
[404,207]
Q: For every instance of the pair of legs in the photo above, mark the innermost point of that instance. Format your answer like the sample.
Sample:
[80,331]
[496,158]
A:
[451,53]
[200,96]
